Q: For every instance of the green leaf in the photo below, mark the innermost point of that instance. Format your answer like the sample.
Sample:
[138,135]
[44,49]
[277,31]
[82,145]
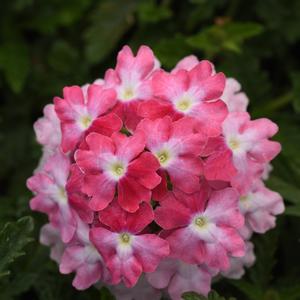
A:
[293,210]
[296,90]
[109,21]
[179,50]
[150,12]
[62,57]
[13,238]
[211,296]
[228,36]
[14,62]
[289,191]
[192,296]
[249,289]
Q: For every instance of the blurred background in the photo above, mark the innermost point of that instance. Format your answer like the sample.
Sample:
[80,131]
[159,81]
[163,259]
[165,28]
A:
[45,45]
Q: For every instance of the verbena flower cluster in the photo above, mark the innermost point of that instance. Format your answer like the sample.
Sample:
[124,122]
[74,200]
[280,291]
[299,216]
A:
[153,180]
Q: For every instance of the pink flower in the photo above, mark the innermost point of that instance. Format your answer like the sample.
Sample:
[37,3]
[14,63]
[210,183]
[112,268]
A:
[233,97]
[50,236]
[78,200]
[192,93]
[142,290]
[79,115]
[178,277]
[126,252]
[48,186]
[47,128]
[176,147]
[130,79]
[245,148]
[82,257]
[187,63]
[119,162]
[238,264]
[206,225]
[260,206]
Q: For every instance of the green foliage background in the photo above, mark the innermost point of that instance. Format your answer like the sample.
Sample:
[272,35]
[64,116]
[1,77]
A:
[45,45]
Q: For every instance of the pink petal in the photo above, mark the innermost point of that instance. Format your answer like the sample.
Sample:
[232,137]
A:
[169,86]
[131,194]
[172,214]
[144,170]
[156,132]
[73,94]
[100,100]
[118,219]
[101,189]
[149,249]
[129,147]
[106,125]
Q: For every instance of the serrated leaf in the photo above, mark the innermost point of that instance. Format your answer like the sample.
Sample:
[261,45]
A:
[109,21]
[13,238]
[14,62]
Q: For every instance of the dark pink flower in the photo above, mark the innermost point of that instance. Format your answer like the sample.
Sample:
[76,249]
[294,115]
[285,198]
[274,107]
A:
[117,163]
[126,251]
[206,225]
[79,115]
[192,93]
[176,146]
[130,80]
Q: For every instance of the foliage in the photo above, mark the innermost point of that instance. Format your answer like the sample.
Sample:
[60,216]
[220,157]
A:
[211,296]
[45,45]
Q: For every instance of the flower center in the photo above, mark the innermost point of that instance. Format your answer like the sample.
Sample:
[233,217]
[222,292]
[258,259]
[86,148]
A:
[234,144]
[117,170]
[85,121]
[62,195]
[244,198]
[125,238]
[184,104]
[163,157]
[200,222]
[127,93]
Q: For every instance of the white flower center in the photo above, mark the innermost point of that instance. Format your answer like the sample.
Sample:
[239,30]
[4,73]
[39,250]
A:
[61,195]
[85,121]
[200,222]
[234,144]
[184,104]
[164,157]
[245,203]
[124,238]
[126,93]
[125,241]
[117,170]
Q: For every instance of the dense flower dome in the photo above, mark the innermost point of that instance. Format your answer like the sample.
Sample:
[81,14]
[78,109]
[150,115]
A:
[153,181]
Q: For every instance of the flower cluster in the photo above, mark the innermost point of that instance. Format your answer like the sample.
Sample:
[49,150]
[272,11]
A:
[153,180]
